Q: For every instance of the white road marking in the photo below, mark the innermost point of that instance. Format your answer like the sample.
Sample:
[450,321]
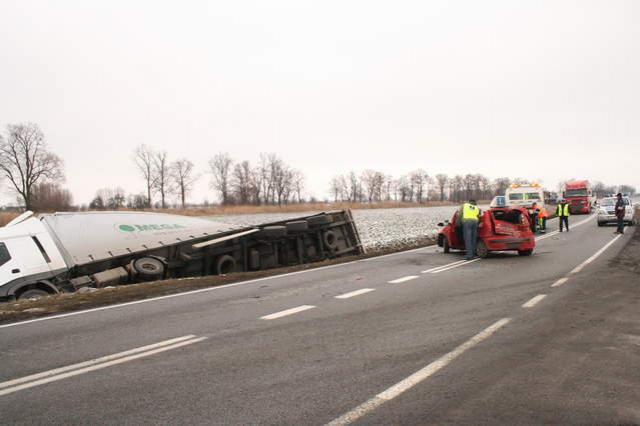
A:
[534,301]
[287,312]
[417,377]
[560,282]
[92,366]
[369,259]
[466,262]
[443,266]
[93,361]
[355,293]
[594,257]
[551,234]
[403,279]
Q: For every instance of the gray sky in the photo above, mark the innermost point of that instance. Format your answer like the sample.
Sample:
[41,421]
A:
[539,89]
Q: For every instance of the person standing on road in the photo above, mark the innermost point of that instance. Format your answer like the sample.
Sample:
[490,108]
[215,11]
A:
[533,217]
[470,214]
[542,219]
[620,210]
[562,211]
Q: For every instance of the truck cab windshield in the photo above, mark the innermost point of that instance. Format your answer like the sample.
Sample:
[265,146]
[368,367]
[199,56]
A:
[582,192]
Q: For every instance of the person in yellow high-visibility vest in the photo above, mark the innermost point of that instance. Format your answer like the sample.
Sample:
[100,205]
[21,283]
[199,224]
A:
[562,211]
[470,216]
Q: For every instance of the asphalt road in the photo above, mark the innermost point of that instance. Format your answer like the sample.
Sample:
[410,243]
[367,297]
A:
[487,341]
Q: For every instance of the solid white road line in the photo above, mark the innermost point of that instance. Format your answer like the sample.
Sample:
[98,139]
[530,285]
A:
[93,361]
[457,265]
[369,259]
[594,257]
[99,366]
[534,301]
[551,234]
[287,312]
[443,266]
[403,279]
[418,376]
[355,293]
[560,282]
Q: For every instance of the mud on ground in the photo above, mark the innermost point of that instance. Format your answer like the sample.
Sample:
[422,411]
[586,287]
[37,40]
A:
[61,303]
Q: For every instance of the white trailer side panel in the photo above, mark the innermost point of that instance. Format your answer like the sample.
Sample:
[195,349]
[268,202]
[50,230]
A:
[92,236]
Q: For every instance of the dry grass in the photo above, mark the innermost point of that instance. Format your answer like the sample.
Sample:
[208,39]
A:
[292,208]
[6,217]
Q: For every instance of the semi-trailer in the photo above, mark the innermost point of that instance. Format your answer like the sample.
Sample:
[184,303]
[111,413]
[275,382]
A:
[65,252]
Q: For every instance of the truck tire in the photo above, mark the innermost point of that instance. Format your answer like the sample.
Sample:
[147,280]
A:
[225,265]
[481,249]
[445,245]
[297,226]
[33,293]
[273,232]
[320,220]
[525,252]
[330,240]
[148,268]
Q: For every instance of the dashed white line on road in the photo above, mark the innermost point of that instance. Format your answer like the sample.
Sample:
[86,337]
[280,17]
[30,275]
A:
[457,265]
[355,293]
[595,256]
[443,266]
[95,364]
[534,301]
[560,282]
[287,312]
[417,377]
[403,279]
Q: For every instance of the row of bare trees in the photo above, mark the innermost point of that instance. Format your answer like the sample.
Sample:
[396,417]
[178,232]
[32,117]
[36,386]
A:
[164,177]
[270,181]
[415,187]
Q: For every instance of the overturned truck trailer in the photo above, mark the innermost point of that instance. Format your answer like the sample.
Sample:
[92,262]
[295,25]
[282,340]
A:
[64,252]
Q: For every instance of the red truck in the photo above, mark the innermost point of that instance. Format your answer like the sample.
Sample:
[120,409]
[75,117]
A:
[579,196]
[500,229]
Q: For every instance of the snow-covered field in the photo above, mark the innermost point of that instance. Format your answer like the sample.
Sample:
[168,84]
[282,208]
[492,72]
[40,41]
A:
[378,227]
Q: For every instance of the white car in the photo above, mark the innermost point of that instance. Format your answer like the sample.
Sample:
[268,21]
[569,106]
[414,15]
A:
[607,207]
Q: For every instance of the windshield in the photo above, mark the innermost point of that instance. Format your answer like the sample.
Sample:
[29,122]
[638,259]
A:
[608,202]
[581,192]
[533,196]
[516,196]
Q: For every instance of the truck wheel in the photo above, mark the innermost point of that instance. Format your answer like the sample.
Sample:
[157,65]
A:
[273,232]
[297,226]
[34,293]
[330,239]
[149,268]
[445,245]
[225,265]
[320,220]
[481,249]
[525,252]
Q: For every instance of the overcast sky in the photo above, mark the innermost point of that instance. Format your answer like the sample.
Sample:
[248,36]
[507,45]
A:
[538,89]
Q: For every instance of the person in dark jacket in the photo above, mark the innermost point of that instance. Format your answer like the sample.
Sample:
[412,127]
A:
[620,210]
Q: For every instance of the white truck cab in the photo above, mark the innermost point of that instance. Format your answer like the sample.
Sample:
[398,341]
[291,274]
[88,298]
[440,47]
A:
[524,195]
[27,250]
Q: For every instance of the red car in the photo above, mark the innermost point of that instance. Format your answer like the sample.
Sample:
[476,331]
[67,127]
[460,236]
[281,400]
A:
[500,229]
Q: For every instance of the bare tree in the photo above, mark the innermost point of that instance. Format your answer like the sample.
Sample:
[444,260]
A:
[162,181]
[219,167]
[442,181]
[183,177]
[25,160]
[335,188]
[144,159]
[419,179]
[242,182]
[297,183]
[51,196]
